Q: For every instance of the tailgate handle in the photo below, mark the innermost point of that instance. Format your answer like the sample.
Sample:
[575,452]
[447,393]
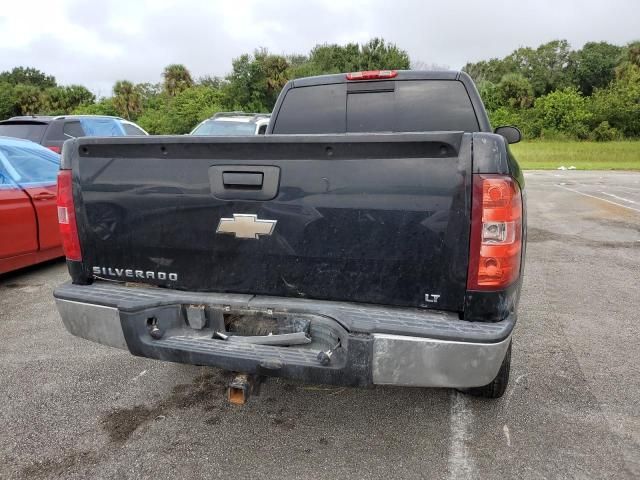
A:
[244,182]
[242,179]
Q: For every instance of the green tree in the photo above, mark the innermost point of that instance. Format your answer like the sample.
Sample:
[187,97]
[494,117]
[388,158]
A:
[490,70]
[28,76]
[149,90]
[630,59]
[489,93]
[242,85]
[211,81]
[8,101]
[256,81]
[633,53]
[334,58]
[127,99]
[505,116]
[514,91]
[377,54]
[151,95]
[61,100]
[192,106]
[29,99]
[605,133]
[176,78]
[545,67]
[155,120]
[619,103]
[594,65]
[180,114]
[564,111]
[103,107]
[78,95]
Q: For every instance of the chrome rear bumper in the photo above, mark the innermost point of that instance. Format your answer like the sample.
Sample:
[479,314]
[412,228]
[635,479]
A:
[428,362]
[437,350]
[97,323]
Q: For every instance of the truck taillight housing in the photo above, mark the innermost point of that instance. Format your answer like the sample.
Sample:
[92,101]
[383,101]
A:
[67,217]
[496,233]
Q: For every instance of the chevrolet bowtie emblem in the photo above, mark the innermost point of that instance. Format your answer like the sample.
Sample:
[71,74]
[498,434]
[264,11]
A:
[246,226]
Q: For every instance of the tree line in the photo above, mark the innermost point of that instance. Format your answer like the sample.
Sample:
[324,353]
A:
[550,91]
[555,92]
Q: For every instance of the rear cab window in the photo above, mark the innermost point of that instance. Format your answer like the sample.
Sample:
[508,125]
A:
[73,129]
[102,127]
[381,106]
[225,127]
[133,130]
[33,131]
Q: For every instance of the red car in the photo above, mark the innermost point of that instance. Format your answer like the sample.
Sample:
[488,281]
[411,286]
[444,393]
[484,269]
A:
[29,230]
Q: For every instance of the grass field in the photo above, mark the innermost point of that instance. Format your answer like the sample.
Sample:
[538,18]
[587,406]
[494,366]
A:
[547,155]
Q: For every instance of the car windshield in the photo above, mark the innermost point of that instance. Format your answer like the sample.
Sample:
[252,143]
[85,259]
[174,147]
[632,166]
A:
[27,164]
[102,127]
[225,127]
[28,131]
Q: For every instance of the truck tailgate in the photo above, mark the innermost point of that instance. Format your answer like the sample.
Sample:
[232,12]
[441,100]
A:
[378,218]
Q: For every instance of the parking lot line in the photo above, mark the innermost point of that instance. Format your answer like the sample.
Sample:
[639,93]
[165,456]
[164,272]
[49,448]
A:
[598,198]
[619,198]
[461,464]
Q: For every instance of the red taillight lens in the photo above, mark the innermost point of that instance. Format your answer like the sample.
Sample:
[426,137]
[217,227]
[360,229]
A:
[496,233]
[55,149]
[67,217]
[371,74]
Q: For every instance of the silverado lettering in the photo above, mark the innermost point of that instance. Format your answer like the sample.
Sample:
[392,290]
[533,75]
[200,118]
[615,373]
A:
[130,273]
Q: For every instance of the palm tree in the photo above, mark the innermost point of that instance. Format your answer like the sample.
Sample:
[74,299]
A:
[126,99]
[634,53]
[630,62]
[176,79]
[29,99]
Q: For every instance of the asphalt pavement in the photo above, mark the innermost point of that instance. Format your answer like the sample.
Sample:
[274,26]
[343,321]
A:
[73,409]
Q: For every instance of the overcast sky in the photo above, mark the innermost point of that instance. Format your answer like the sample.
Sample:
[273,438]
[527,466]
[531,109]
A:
[97,42]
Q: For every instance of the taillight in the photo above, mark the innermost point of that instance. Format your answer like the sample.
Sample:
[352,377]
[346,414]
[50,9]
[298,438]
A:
[55,149]
[496,233]
[67,217]
[372,75]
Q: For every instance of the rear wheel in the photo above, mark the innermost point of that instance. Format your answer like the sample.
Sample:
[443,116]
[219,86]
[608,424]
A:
[498,385]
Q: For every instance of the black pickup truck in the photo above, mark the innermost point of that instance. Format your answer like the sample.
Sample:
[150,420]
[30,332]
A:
[375,235]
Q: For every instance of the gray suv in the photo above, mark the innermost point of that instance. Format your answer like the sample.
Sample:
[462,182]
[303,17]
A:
[52,131]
